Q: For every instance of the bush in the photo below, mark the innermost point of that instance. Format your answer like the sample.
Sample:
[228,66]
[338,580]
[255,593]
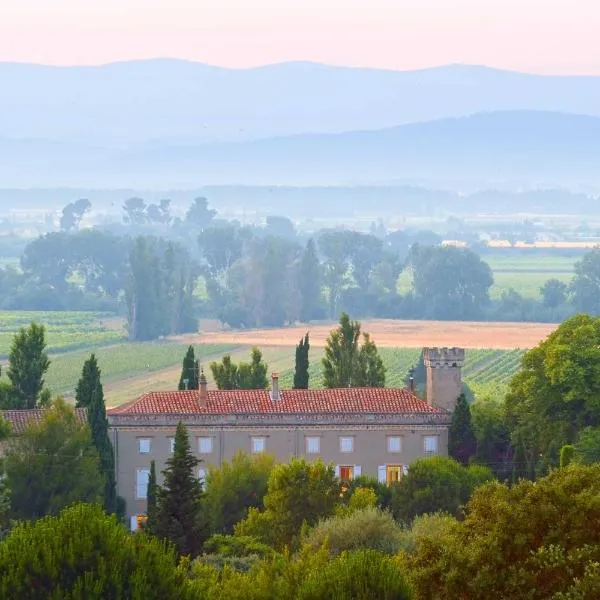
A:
[237,545]
[366,528]
[362,575]
[85,554]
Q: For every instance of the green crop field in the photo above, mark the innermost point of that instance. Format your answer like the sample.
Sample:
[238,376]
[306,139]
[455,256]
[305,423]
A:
[64,330]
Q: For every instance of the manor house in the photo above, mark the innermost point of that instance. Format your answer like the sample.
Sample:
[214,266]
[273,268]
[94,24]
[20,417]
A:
[362,431]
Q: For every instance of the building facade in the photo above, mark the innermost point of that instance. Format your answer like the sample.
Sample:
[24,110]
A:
[362,431]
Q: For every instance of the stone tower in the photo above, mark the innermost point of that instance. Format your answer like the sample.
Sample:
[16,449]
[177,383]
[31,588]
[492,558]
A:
[444,385]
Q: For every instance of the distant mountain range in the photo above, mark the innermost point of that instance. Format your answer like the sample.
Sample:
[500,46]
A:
[516,148]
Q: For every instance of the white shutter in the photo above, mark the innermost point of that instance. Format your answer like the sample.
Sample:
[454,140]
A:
[133,522]
[357,470]
[337,471]
[382,474]
[405,469]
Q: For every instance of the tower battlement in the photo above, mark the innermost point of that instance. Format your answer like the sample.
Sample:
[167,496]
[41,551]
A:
[443,357]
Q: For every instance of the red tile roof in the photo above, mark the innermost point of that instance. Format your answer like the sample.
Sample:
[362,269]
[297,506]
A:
[322,401]
[21,419]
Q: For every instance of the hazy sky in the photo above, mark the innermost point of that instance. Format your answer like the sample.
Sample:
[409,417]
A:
[547,36]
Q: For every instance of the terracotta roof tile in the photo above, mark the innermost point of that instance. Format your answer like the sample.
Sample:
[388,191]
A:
[21,419]
[321,401]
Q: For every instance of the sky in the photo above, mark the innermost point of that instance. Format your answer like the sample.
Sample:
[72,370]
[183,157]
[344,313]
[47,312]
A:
[538,36]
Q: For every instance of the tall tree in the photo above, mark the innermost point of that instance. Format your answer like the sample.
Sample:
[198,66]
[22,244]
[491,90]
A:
[53,464]
[189,371]
[27,364]
[179,515]
[134,211]
[225,373]
[98,423]
[151,500]
[586,283]
[346,364]
[301,375]
[72,214]
[88,382]
[245,376]
[309,283]
[198,215]
[462,444]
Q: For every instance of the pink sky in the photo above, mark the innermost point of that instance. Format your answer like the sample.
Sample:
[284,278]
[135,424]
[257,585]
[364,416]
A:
[544,36]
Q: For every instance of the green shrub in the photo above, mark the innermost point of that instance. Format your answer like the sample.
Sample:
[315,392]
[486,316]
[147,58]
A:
[366,528]
[237,545]
[361,575]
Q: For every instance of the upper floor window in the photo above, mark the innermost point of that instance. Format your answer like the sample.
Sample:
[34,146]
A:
[430,444]
[346,444]
[205,445]
[258,445]
[141,483]
[313,445]
[144,445]
[394,444]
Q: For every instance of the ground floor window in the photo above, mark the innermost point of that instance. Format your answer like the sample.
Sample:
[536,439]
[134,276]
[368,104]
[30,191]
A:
[390,474]
[348,472]
[138,522]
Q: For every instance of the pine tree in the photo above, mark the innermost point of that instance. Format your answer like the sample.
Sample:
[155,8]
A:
[178,512]
[371,371]
[301,375]
[462,443]
[189,371]
[89,381]
[151,508]
[27,364]
[96,413]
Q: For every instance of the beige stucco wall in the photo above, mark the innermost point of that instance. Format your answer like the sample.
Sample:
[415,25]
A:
[370,448]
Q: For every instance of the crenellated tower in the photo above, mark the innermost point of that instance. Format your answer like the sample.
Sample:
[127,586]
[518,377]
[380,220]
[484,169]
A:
[444,384]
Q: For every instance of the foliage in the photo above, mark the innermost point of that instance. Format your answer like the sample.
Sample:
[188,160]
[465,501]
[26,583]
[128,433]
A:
[586,283]
[301,374]
[245,376]
[179,517]
[298,493]
[28,362]
[364,528]
[567,454]
[556,393]
[151,498]
[435,484]
[52,465]
[234,488]
[236,545]
[72,214]
[529,541]
[189,371]
[347,365]
[587,447]
[383,493]
[360,575]
[88,382]
[85,554]
[309,283]
[462,443]
[554,293]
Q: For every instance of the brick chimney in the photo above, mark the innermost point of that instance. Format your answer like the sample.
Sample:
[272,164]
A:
[203,387]
[275,393]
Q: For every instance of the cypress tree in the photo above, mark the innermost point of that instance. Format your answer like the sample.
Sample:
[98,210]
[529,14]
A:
[88,382]
[151,509]
[189,371]
[178,511]
[462,443]
[301,375]
[96,414]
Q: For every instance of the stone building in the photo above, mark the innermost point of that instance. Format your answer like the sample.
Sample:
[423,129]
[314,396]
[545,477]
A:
[362,431]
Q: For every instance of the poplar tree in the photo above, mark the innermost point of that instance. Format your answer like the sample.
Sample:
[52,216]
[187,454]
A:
[301,375]
[151,507]
[88,382]
[96,414]
[179,517]
[462,443]
[189,371]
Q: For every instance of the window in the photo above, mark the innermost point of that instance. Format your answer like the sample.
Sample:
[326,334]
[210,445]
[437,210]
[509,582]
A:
[430,444]
[202,476]
[346,444]
[171,445]
[346,472]
[258,445]
[142,477]
[205,445]
[393,473]
[394,444]
[144,445]
[313,445]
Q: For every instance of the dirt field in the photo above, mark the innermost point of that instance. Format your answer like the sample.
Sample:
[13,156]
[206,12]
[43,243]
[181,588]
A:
[393,334]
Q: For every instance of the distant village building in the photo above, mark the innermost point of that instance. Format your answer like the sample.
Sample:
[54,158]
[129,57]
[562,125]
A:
[362,431]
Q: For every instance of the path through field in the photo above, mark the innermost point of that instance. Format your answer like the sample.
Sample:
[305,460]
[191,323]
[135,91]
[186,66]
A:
[394,334]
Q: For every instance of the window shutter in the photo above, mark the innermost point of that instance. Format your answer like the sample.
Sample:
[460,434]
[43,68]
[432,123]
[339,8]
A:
[337,470]
[382,474]
[357,470]
[405,469]
[133,523]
